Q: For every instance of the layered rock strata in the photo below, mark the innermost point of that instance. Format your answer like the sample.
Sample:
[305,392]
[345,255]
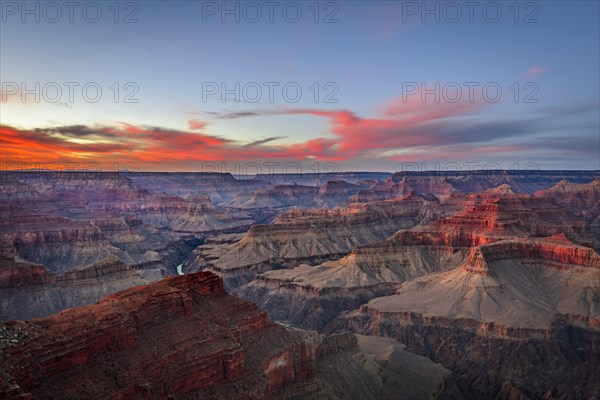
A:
[185,338]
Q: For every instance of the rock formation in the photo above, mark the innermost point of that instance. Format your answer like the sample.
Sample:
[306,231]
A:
[520,314]
[70,220]
[443,183]
[312,236]
[185,338]
[493,274]
[311,297]
[330,194]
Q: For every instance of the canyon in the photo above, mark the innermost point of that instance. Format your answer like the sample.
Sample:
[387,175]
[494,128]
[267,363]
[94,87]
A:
[446,285]
[185,338]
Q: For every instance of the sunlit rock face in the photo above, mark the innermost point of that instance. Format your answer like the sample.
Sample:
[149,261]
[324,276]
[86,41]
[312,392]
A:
[308,236]
[185,338]
[494,275]
[514,313]
[582,199]
[312,296]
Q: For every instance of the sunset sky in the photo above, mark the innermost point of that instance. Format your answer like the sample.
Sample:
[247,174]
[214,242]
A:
[547,115]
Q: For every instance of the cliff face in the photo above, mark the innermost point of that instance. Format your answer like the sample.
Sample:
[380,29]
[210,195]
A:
[73,220]
[330,194]
[308,236]
[556,363]
[515,312]
[220,187]
[443,183]
[58,243]
[582,199]
[578,197]
[394,188]
[312,297]
[184,338]
[29,290]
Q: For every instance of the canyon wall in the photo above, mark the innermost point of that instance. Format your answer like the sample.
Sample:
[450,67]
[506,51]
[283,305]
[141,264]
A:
[185,338]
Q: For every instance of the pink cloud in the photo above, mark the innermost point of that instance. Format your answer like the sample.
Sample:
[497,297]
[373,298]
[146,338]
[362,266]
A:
[197,125]
[401,126]
[536,70]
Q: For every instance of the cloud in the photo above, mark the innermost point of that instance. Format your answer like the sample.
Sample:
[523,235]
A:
[402,130]
[536,70]
[196,125]
[264,141]
[73,130]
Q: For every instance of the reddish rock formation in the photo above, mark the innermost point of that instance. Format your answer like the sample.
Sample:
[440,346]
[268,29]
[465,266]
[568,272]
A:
[443,183]
[29,290]
[515,312]
[311,297]
[310,236]
[579,197]
[582,199]
[184,338]
[73,220]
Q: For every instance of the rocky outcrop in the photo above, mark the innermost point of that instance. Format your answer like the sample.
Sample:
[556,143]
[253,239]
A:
[300,297]
[29,290]
[582,199]
[330,194]
[443,183]
[394,188]
[516,312]
[185,338]
[311,297]
[578,197]
[220,187]
[556,363]
[334,193]
[308,236]
[58,243]
[57,228]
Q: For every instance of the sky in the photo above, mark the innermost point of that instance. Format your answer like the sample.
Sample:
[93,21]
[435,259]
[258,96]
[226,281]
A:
[305,86]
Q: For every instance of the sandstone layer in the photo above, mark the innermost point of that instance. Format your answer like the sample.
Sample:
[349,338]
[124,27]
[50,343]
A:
[185,338]
[312,296]
[519,319]
[313,236]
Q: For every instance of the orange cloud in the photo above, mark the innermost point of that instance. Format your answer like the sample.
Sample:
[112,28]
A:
[403,129]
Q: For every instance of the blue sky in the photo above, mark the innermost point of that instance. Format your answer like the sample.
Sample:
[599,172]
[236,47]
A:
[368,57]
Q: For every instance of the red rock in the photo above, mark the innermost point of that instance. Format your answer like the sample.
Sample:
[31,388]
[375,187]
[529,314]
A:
[183,336]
